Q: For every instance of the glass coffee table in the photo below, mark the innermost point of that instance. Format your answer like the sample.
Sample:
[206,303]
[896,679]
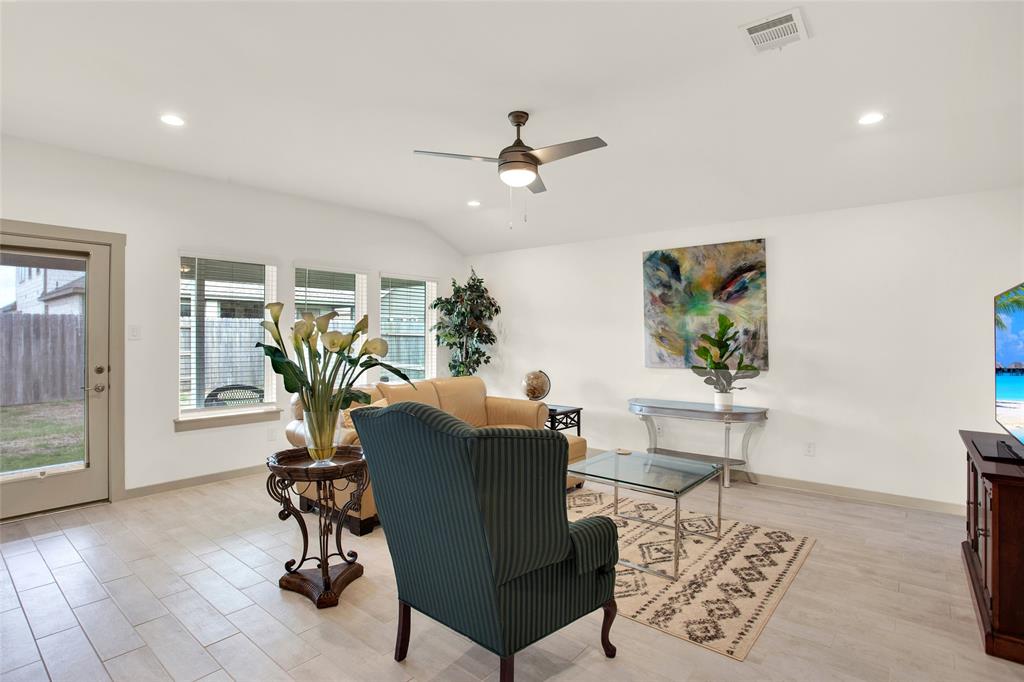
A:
[666,476]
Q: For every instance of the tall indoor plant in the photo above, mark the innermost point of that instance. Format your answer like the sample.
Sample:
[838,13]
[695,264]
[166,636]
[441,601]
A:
[463,327]
[326,367]
[716,351]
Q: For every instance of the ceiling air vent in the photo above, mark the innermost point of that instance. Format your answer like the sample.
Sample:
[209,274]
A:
[776,31]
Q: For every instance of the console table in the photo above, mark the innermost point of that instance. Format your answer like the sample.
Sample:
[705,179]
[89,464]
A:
[651,409]
[994,548]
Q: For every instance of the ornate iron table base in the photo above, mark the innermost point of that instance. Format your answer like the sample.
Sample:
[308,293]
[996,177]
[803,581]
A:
[291,468]
[309,583]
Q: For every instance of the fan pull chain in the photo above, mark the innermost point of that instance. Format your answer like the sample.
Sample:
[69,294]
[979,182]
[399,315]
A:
[526,198]
[510,209]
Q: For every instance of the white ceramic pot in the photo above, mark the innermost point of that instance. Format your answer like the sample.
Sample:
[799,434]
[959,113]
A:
[723,401]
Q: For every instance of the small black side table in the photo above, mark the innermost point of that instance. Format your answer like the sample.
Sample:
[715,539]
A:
[562,417]
[293,468]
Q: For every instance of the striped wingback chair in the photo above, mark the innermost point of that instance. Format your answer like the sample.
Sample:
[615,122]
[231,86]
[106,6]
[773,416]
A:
[476,525]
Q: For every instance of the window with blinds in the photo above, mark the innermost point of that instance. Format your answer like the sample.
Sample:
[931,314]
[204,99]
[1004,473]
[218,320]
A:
[321,291]
[406,323]
[221,305]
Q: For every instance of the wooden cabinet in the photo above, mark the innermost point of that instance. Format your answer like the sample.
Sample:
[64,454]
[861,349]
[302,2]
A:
[994,548]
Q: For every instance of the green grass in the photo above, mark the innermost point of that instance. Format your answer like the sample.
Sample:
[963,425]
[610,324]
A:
[41,434]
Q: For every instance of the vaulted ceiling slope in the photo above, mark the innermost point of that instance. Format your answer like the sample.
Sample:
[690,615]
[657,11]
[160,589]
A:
[328,100]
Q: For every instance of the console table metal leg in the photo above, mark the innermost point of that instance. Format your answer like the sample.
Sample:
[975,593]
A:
[652,431]
[725,462]
[747,433]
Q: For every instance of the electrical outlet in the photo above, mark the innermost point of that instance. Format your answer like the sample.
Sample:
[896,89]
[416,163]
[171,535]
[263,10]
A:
[134,332]
[809,449]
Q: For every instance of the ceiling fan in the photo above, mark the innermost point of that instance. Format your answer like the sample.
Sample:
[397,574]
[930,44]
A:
[517,163]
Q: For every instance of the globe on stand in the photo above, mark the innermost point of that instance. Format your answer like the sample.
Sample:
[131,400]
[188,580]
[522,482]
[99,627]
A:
[536,385]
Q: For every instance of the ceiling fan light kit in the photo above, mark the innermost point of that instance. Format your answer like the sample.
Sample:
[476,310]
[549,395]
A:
[518,162]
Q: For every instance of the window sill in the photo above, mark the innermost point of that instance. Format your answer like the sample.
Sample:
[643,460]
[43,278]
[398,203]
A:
[215,420]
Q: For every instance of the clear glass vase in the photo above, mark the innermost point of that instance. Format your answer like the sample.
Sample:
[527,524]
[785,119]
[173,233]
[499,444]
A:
[322,436]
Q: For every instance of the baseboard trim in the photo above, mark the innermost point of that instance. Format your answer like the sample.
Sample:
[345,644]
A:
[195,480]
[857,494]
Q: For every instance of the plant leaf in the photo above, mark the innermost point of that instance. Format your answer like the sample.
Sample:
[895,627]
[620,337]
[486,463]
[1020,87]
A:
[294,378]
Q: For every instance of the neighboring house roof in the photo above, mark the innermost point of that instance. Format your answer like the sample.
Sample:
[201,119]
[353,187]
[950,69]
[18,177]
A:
[72,288]
[11,307]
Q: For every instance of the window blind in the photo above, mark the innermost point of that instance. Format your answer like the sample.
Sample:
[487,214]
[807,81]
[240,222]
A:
[405,323]
[221,305]
[321,291]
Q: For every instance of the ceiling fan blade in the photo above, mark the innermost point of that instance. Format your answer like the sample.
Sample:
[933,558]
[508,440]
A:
[560,151]
[537,186]
[465,157]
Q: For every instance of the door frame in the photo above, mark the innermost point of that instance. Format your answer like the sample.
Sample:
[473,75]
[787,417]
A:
[115,332]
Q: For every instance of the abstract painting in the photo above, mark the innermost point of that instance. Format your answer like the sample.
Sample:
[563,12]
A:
[685,290]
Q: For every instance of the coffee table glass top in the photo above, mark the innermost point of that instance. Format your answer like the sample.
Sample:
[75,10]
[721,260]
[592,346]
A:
[657,473]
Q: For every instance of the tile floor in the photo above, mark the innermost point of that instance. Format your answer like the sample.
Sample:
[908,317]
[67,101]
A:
[183,586]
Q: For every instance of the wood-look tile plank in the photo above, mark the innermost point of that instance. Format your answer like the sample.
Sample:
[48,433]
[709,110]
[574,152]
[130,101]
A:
[19,646]
[8,593]
[231,569]
[202,620]
[157,576]
[33,672]
[135,600]
[243,660]
[219,592]
[69,656]
[78,584]
[46,610]
[28,570]
[140,665]
[57,551]
[104,563]
[180,654]
[270,635]
[109,631]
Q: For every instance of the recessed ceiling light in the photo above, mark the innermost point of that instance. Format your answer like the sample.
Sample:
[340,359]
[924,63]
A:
[173,120]
[473,202]
[871,118]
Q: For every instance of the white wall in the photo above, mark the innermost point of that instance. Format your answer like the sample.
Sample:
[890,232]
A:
[163,213]
[880,336]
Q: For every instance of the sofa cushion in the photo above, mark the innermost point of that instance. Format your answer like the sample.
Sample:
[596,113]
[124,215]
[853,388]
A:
[507,426]
[346,416]
[577,447]
[463,397]
[419,392]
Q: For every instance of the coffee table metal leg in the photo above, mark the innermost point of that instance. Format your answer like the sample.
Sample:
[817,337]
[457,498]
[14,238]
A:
[675,552]
[616,499]
[719,505]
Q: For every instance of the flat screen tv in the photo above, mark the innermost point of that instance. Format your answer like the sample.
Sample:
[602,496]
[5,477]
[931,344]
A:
[1009,365]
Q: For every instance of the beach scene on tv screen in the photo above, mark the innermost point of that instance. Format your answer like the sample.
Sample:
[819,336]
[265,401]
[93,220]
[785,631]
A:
[1010,361]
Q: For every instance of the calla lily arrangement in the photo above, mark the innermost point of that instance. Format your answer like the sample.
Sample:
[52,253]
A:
[325,368]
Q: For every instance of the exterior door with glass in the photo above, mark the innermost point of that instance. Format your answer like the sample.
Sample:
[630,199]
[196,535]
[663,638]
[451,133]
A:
[54,373]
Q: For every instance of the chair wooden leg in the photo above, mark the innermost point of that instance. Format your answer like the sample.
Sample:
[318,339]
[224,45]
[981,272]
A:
[610,609]
[402,643]
[507,673]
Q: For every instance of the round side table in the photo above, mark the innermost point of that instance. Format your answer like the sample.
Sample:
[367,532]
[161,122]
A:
[292,471]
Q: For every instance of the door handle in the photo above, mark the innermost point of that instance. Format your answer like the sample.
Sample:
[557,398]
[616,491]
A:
[99,388]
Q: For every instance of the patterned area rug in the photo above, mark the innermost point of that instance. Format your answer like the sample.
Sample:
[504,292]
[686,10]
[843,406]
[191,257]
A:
[727,589]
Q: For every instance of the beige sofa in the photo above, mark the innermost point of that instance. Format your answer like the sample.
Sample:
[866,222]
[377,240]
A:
[462,397]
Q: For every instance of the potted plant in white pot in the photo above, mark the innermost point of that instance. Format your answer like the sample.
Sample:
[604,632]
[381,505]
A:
[716,352]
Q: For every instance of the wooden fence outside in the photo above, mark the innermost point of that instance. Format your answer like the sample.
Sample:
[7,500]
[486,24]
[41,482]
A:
[42,358]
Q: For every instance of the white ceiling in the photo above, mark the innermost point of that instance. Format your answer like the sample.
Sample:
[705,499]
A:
[327,100]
